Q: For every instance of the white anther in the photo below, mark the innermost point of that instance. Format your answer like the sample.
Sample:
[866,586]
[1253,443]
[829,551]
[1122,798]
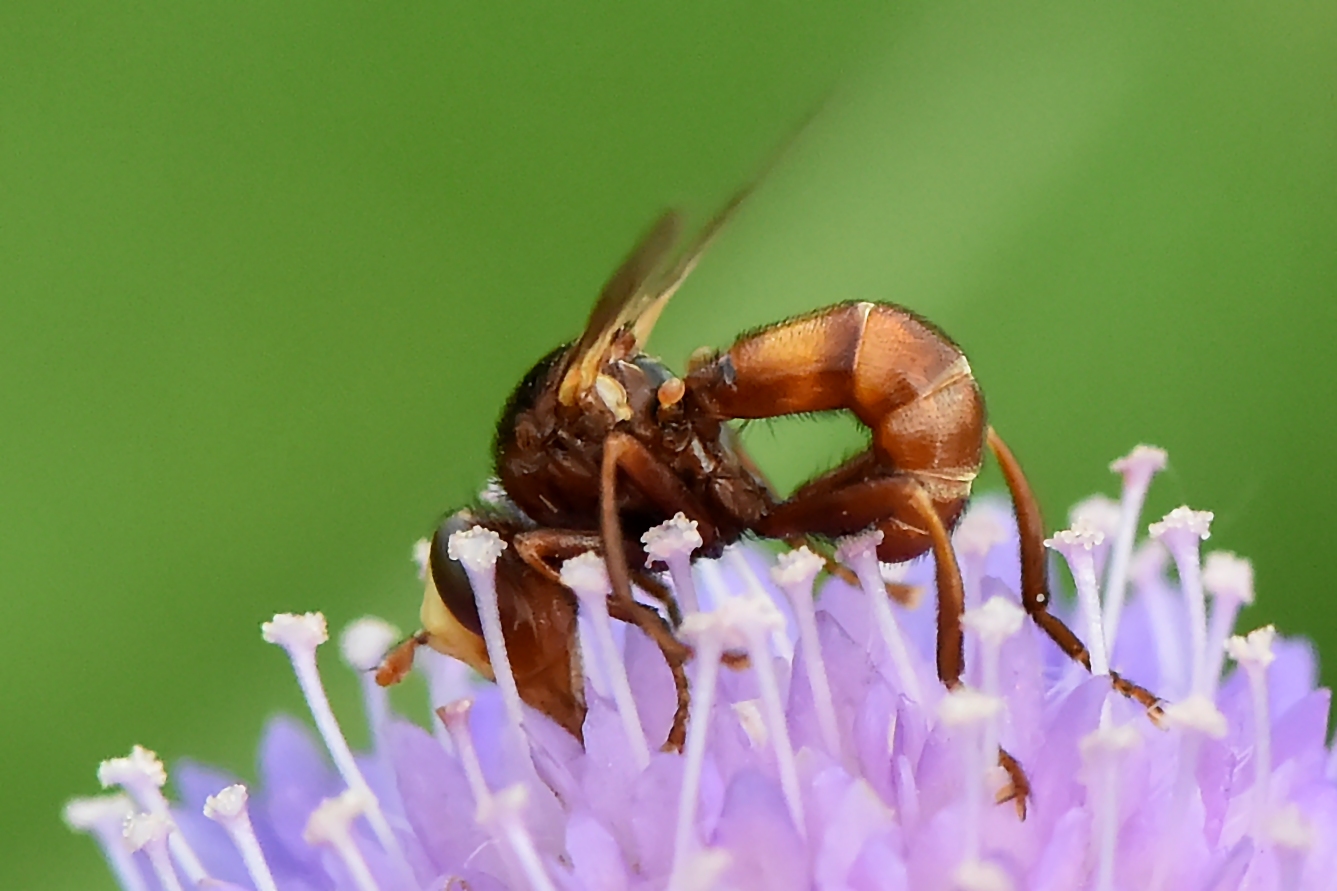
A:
[331,823]
[1253,649]
[981,875]
[422,556]
[1098,512]
[289,630]
[103,817]
[227,807]
[333,818]
[141,766]
[979,532]
[852,547]
[144,829]
[227,804]
[476,547]
[1197,713]
[1143,461]
[1289,828]
[673,541]
[964,707]
[97,812]
[1226,576]
[731,621]
[671,538]
[150,833]
[365,642]
[142,775]
[1068,541]
[587,576]
[1183,524]
[798,568]
[995,621]
[1077,546]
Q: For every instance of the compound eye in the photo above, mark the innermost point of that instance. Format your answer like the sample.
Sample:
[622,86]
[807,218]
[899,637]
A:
[452,584]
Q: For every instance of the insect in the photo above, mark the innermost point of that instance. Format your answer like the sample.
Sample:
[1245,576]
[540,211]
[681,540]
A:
[599,442]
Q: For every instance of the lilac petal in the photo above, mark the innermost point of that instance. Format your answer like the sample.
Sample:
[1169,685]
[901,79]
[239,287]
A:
[651,684]
[1303,729]
[438,803]
[878,868]
[655,806]
[1227,871]
[872,741]
[295,778]
[860,816]
[766,851]
[1062,861]
[596,858]
[212,884]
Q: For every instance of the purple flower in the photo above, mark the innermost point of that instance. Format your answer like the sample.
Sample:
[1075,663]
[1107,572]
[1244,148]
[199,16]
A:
[835,760]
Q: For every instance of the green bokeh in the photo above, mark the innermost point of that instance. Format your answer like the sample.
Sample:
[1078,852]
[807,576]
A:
[267,271]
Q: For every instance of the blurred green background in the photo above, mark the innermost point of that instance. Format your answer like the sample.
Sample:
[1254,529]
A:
[268,271]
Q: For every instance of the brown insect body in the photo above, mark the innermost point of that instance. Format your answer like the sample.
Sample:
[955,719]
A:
[600,442]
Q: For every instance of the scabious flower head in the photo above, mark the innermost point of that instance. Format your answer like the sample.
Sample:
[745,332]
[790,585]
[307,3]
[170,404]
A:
[829,758]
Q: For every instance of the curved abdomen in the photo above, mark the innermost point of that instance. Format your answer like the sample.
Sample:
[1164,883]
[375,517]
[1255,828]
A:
[896,373]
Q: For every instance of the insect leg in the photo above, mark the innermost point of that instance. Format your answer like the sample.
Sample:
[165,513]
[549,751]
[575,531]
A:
[1035,576]
[657,482]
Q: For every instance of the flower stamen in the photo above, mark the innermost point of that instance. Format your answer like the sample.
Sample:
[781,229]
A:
[587,577]
[673,542]
[1077,546]
[142,774]
[227,808]
[103,817]
[1138,468]
[1182,531]
[1254,654]
[149,833]
[1229,579]
[795,573]
[332,824]
[299,636]
[859,553]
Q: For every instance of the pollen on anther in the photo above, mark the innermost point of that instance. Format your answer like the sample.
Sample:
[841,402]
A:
[1288,828]
[1069,541]
[306,631]
[476,547]
[145,829]
[979,532]
[797,567]
[1255,648]
[141,764]
[586,575]
[227,803]
[1183,519]
[671,538]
